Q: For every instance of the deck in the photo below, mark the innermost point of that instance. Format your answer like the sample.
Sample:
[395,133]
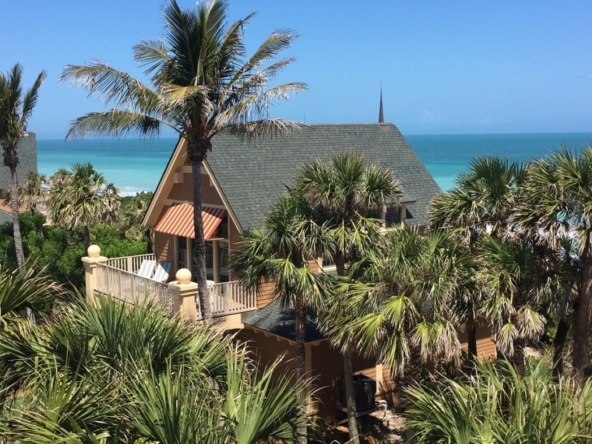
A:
[118,277]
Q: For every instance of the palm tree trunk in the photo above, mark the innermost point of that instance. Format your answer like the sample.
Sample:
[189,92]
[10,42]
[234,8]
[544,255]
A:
[350,395]
[518,358]
[472,340]
[200,246]
[300,315]
[582,318]
[86,238]
[558,344]
[352,424]
[149,241]
[16,226]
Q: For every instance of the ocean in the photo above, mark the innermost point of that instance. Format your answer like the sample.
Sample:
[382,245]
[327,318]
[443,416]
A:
[134,165]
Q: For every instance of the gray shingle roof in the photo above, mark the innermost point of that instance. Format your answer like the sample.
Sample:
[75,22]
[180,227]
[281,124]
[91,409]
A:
[252,174]
[273,319]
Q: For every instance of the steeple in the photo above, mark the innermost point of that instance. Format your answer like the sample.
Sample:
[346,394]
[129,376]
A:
[380,111]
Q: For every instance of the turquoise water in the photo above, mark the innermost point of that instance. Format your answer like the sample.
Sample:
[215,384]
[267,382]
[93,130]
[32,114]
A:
[135,165]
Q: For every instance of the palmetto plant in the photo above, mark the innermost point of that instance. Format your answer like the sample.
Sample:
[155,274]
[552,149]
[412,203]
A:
[280,253]
[15,110]
[340,194]
[498,405]
[401,301]
[104,372]
[32,195]
[555,208]
[203,85]
[82,197]
[33,290]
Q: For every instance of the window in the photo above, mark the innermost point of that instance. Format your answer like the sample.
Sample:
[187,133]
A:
[217,258]
[181,252]
[392,217]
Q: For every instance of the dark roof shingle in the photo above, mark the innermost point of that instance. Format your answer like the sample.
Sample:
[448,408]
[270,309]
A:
[252,174]
[273,319]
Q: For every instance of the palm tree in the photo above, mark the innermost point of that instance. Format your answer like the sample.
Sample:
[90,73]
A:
[81,198]
[340,194]
[558,193]
[31,194]
[401,300]
[280,253]
[131,215]
[480,205]
[15,110]
[203,85]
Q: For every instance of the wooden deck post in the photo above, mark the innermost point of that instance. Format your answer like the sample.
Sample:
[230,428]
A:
[90,269]
[184,293]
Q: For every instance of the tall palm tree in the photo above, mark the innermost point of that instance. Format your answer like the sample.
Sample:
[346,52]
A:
[81,198]
[280,253]
[340,193]
[15,110]
[480,205]
[203,85]
[558,193]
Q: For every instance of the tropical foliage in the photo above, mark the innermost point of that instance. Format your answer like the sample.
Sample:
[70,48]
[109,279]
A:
[103,371]
[496,404]
[82,197]
[15,110]
[32,194]
[59,249]
[339,194]
[204,84]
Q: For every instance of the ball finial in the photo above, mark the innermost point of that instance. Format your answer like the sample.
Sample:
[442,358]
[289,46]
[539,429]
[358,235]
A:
[183,276]
[94,251]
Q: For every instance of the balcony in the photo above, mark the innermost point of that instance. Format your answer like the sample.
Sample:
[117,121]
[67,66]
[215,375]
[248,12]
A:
[119,278]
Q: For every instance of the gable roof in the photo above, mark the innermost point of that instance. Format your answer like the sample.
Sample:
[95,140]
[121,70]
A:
[251,174]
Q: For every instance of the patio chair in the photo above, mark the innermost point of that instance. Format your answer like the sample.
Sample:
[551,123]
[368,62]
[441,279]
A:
[162,271]
[146,268]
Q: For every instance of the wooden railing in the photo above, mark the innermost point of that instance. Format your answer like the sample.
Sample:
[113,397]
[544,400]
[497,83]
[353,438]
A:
[130,263]
[230,298]
[130,287]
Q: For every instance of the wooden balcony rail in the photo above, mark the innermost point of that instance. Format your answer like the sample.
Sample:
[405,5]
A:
[130,263]
[130,287]
[230,298]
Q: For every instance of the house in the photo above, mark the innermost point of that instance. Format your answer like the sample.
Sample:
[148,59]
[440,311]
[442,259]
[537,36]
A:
[240,180]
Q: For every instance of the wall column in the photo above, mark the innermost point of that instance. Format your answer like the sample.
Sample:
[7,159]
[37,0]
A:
[90,269]
[184,293]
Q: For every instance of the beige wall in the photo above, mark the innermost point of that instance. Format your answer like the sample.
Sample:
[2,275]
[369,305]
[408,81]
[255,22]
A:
[184,191]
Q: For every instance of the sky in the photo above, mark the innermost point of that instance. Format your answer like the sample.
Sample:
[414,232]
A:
[446,67]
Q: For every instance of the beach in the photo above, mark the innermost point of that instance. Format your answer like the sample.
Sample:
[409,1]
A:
[134,165]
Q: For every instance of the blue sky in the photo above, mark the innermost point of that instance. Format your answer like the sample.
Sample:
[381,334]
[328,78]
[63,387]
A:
[446,66]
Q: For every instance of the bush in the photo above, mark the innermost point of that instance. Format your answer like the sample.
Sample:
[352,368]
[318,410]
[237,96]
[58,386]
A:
[60,249]
[497,405]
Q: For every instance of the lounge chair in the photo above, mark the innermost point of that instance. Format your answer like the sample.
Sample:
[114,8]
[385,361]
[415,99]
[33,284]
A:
[146,268]
[162,271]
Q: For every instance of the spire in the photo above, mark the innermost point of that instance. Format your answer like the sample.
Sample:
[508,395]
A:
[380,111]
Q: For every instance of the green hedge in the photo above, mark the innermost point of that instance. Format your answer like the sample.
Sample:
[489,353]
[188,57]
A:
[60,249]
